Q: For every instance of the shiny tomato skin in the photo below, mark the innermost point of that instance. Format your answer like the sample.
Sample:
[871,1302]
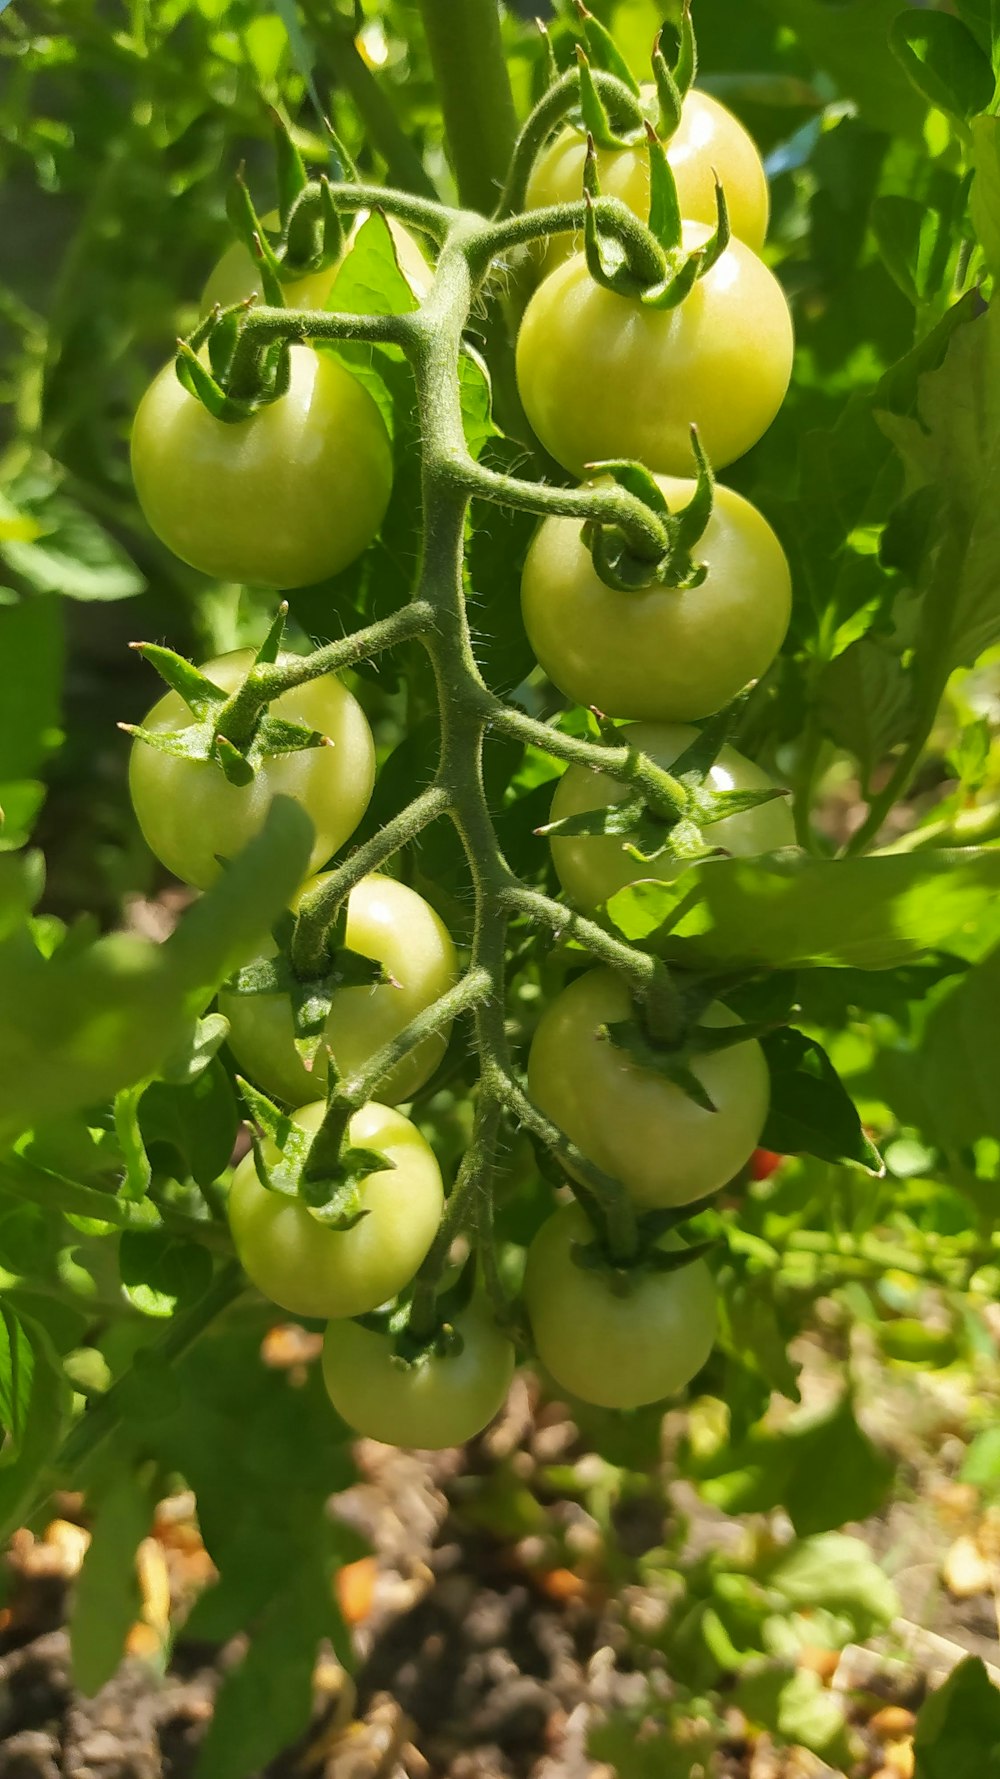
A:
[709,140]
[603,376]
[393,924]
[591,868]
[191,815]
[632,1122]
[660,654]
[439,1402]
[284,498]
[310,1270]
[617,1350]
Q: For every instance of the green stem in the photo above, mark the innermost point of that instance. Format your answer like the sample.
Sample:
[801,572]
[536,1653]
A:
[638,968]
[317,910]
[98,1423]
[552,108]
[470,69]
[339,54]
[598,504]
[894,787]
[357,1090]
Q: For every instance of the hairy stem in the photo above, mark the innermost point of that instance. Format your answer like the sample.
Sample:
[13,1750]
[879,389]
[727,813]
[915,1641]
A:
[474,88]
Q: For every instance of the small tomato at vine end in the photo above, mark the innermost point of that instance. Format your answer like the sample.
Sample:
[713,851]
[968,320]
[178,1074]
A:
[618,1343]
[440,1400]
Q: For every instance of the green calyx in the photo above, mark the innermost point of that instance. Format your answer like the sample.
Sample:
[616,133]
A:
[618,564]
[420,1331]
[674,80]
[648,263]
[321,1168]
[236,730]
[664,814]
[311,997]
[623,1276]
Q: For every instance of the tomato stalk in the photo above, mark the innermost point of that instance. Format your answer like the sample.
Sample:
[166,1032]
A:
[470,70]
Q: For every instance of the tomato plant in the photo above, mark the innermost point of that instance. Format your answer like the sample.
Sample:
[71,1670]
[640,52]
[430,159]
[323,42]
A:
[523,936]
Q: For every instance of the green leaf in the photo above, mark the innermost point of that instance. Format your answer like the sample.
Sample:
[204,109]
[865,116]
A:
[17,1370]
[984,198]
[787,910]
[821,1468]
[71,553]
[981,1465]
[77,1027]
[196,1124]
[41,1429]
[850,42]
[952,452]
[835,1573]
[106,1596]
[20,803]
[957,1060]
[958,1729]
[943,60]
[811,1111]
[162,1273]
[31,671]
[796,1706]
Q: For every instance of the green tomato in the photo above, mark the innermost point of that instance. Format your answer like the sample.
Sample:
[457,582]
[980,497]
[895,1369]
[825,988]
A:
[441,1400]
[633,1122]
[287,497]
[603,376]
[190,814]
[709,140]
[312,1270]
[618,1350]
[237,275]
[388,922]
[664,654]
[592,867]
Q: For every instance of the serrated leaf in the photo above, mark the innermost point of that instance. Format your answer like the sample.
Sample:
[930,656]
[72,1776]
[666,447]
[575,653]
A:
[787,911]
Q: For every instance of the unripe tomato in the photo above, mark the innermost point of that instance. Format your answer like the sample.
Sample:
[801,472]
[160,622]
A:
[312,1270]
[709,140]
[286,497]
[591,868]
[441,1400]
[190,814]
[616,1350]
[633,1122]
[237,274]
[603,376]
[665,654]
[388,922]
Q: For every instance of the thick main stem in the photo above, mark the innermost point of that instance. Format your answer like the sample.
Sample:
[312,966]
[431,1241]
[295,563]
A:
[474,87]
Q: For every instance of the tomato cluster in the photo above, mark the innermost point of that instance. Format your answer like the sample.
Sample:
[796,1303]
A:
[602,377]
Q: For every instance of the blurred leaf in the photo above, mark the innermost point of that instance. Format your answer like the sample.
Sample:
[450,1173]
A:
[70,553]
[788,910]
[958,1060]
[106,1596]
[196,1125]
[821,1468]
[943,60]
[31,670]
[796,1706]
[850,40]
[958,1728]
[984,198]
[41,1427]
[17,1370]
[835,1573]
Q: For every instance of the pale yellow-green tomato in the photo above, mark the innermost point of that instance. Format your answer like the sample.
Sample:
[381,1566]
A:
[632,1121]
[192,816]
[592,867]
[310,1269]
[440,1401]
[386,921]
[282,498]
[708,137]
[604,376]
[618,1349]
[237,274]
[660,654]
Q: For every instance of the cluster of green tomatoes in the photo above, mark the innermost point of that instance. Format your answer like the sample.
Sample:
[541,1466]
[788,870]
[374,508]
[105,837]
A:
[290,495]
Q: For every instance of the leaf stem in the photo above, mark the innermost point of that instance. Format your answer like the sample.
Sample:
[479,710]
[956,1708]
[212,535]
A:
[470,70]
